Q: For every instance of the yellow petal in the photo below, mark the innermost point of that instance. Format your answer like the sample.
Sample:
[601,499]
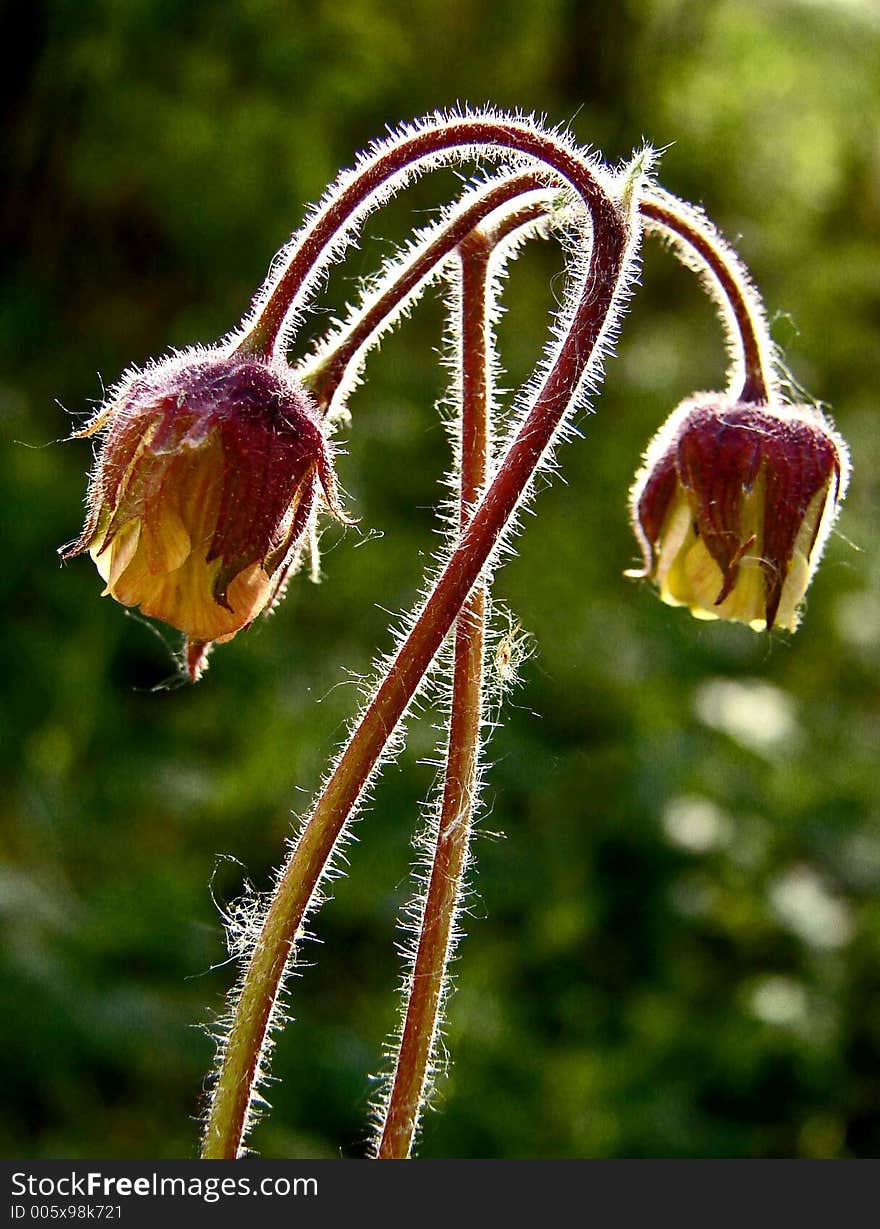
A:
[113,560]
[166,540]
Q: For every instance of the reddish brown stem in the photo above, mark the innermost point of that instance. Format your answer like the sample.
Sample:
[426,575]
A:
[692,234]
[684,226]
[331,366]
[427,987]
[313,248]
[256,1003]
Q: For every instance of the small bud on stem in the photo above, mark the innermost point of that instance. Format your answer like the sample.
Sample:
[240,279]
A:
[734,505]
[202,492]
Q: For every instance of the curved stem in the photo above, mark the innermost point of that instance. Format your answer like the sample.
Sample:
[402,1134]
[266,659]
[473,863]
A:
[599,295]
[693,236]
[375,178]
[428,982]
[699,245]
[330,366]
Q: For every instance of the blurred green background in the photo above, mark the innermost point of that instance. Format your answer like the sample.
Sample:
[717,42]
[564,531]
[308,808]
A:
[675,945]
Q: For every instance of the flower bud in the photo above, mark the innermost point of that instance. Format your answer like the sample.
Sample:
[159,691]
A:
[733,506]
[202,491]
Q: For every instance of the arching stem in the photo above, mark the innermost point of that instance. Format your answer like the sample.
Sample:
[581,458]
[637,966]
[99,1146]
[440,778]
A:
[698,245]
[330,367]
[598,297]
[691,234]
[378,176]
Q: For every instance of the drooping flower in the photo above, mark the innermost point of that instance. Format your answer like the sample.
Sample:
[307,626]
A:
[202,491]
[733,506]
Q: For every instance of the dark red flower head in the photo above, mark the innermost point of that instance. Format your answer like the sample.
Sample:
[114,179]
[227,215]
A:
[203,490]
[733,506]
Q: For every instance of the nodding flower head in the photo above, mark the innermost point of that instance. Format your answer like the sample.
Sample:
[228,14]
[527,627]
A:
[733,506]
[202,491]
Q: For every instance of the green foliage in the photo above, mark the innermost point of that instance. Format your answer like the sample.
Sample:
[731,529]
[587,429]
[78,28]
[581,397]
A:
[674,948]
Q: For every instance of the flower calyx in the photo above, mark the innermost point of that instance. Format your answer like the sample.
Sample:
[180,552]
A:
[203,491]
[733,506]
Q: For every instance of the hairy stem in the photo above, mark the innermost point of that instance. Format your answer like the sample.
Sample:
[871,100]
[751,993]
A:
[692,235]
[331,366]
[376,177]
[598,296]
[428,982]
[698,244]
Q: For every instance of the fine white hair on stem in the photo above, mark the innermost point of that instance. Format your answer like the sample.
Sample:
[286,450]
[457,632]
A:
[413,922]
[333,247]
[406,1104]
[613,195]
[400,265]
[742,287]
